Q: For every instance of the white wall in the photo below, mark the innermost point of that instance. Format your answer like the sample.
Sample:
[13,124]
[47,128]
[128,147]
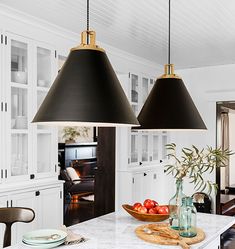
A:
[206,86]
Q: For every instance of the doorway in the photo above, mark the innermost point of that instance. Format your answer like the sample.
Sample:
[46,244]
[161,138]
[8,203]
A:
[225,138]
[94,163]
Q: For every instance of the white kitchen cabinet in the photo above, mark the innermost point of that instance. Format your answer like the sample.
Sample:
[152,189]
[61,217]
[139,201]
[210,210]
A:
[148,184]
[144,147]
[45,137]
[23,200]
[29,150]
[136,185]
[45,199]
[50,208]
[140,155]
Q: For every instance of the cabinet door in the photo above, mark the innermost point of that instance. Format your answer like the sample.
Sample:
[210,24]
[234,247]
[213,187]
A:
[50,205]
[164,141]
[155,147]
[144,147]
[27,200]
[144,90]
[134,148]
[3,203]
[137,187]
[45,145]
[18,86]
[134,93]
[2,114]
[157,186]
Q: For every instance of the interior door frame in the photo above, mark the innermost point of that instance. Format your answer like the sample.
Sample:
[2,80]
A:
[220,105]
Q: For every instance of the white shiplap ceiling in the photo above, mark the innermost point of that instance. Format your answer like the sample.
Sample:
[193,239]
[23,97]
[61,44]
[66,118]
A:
[203,31]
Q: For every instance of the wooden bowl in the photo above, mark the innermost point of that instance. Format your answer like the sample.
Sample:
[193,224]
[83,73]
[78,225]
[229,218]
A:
[145,217]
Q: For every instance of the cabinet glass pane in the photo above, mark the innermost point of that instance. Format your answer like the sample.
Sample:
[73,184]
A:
[151,84]
[144,89]
[155,147]
[61,61]
[19,62]
[144,148]
[43,67]
[40,97]
[164,142]
[43,153]
[135,109]
[134,148]
[19,154]
[19,110]
[134,88]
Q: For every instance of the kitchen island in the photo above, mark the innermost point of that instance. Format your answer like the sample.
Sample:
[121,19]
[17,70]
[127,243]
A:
[116,231]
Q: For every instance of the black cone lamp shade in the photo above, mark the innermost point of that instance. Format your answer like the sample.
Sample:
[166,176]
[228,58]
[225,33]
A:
[86,91]
[169,106]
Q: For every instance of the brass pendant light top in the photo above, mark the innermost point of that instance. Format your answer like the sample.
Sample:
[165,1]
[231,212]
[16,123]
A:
[169,72]
[88,41]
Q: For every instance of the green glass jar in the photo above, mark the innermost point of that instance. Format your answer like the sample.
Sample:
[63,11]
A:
[188,218]
[175,204]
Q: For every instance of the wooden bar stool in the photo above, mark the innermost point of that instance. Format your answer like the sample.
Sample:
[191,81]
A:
[9,216]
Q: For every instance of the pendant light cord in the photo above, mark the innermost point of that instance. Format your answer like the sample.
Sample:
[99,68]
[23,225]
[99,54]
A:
[88,20]
[169,34]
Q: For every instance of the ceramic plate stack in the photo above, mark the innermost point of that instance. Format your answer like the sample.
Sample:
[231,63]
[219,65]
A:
[44,238]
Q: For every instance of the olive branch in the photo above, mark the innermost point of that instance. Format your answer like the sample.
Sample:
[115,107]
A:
[194,163]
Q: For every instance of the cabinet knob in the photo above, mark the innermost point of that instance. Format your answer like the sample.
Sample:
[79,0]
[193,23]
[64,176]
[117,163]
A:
[140,163]
[32,176]
[37,193]
[145,174]
[161,161]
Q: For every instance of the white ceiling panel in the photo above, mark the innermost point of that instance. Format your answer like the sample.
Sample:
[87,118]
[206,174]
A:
[203,31]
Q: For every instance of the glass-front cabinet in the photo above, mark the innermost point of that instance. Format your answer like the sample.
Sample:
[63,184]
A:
[29,69]
[18,87]
[145,147]
[45,68]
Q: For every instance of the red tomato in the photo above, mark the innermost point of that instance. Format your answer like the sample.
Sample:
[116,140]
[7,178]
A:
[149,203]
[152,211]
[162,210]
[143,210]
[136,206]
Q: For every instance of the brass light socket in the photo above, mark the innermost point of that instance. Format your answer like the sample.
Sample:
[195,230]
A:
[169,72]
[88,36]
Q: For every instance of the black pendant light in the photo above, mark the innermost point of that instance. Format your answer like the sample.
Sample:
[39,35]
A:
[169,105]
[86,91]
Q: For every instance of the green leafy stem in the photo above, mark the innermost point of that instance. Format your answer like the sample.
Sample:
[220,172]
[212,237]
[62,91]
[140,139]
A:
[194,163]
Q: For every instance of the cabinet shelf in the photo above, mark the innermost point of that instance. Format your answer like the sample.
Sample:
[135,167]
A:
[19,85]
[42,89]
[19,131]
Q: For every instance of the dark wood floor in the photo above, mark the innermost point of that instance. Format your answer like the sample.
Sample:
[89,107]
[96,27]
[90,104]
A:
[78,211]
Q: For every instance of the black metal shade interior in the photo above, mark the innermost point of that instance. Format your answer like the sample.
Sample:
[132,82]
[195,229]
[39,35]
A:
[87,91]
[170,107]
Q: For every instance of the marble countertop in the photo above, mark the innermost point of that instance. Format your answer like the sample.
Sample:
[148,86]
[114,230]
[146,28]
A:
[116,231]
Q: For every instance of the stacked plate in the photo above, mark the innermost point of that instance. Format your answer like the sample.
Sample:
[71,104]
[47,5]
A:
[44,238]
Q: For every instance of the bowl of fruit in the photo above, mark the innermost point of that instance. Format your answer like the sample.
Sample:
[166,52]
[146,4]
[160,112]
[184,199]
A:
[148,211]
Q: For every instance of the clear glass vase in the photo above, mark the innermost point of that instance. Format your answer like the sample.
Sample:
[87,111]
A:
[175,204]
[188,218]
